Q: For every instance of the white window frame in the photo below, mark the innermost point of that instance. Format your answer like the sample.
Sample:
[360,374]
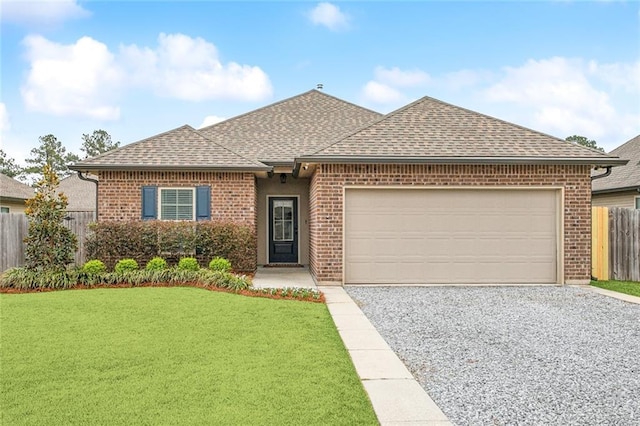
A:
[193,210]
[5,209]
[637,202]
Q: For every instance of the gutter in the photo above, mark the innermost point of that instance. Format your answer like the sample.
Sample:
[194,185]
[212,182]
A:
[95,214]
[135,167]
[605,174]
[346,159]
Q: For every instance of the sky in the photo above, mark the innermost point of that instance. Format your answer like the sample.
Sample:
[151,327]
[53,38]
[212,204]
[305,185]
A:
[136,69]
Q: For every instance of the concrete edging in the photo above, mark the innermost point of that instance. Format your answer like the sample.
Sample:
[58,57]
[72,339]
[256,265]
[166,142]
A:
[610,293]
[396,396]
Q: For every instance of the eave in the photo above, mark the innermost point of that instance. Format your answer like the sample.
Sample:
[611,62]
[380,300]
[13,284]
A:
[360,159]
[613,190]
[163,168]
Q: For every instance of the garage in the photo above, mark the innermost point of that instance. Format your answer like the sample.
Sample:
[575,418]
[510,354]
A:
[443,235]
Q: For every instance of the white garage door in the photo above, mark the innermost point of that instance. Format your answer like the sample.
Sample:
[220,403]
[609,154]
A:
[471,236]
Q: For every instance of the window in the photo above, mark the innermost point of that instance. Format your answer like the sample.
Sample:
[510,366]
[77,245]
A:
[177,204]
[4,209]
[637,202]
[283,220]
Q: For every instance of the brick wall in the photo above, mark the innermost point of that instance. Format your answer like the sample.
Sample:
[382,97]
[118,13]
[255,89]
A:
[326,203]
[233,195]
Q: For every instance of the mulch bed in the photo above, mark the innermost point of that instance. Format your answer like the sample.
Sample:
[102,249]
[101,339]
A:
[247,292]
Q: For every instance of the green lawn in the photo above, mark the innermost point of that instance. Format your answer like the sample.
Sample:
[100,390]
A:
[173,356]
[627,287]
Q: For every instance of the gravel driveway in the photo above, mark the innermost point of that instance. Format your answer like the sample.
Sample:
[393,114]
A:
[515,355]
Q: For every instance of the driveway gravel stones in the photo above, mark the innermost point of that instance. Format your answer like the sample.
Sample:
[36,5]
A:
[515,355]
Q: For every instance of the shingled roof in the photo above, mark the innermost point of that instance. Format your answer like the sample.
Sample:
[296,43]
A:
[623,177]
[299,125]
[11,188]
[81,194]
[179,148]
[429,130]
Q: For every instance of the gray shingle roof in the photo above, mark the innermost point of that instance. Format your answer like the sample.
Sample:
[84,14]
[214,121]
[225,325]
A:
[299,125]
[11,188]
[432,128]
[81,194]
[623,176]
[179,148]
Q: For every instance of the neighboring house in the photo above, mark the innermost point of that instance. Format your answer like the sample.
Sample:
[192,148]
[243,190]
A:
[81,194]
[430,193]
[622,187]
[13,195]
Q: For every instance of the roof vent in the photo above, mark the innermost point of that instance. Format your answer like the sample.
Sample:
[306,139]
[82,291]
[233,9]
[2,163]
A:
[319,86]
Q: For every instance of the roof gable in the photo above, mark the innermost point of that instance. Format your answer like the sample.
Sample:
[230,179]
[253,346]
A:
[429,128]
[11,188]
[627,176]
[299,125]
[183,147]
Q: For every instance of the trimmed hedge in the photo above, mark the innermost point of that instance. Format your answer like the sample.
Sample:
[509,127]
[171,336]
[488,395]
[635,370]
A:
[144,240]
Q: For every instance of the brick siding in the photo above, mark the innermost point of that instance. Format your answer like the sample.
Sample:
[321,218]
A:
[326,203]
[233,195]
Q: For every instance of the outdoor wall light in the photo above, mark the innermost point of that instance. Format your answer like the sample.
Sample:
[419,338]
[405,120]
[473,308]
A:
[283,178]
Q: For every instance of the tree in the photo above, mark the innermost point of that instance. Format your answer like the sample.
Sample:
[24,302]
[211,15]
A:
[9,167]
[50,246]
[97,143]
[581,140]
[52,153]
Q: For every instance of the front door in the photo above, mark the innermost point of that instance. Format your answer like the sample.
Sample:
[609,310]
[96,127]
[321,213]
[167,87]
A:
[283,230]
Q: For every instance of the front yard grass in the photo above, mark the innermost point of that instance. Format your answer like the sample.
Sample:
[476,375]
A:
[173,356]
[627,287]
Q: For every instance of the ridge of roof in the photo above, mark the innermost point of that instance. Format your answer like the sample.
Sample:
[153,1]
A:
[282,101]
[120,148]
[432,129]
[98,162]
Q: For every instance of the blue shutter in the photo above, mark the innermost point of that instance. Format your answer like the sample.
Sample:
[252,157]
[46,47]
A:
[203,202]
[149,202]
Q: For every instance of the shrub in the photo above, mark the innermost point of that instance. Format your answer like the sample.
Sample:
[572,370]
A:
[188,264]
[126,265]
[220,264]
[156,264]
[94,267]
[144,240]
[50,246]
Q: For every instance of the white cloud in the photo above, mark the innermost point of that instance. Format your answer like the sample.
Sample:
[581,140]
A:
[41,11]
[189,68]
[76,79]
[560,98]
[5,124]
[398,78]
[85,78]
[381,93]
[210,120]
[387,82]
[618,75]
[330,16]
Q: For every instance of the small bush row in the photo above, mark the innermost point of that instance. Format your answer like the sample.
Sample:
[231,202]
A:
[96,266]
[24,279]
[145,240]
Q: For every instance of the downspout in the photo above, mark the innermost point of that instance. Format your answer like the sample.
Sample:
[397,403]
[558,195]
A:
[95,214]
[605,174]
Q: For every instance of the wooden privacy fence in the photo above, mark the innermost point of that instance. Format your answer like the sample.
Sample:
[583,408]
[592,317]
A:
[615,245]
[13,231]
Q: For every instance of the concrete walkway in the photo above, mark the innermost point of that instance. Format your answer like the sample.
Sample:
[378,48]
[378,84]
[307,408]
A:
[280,277]
[397,398]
